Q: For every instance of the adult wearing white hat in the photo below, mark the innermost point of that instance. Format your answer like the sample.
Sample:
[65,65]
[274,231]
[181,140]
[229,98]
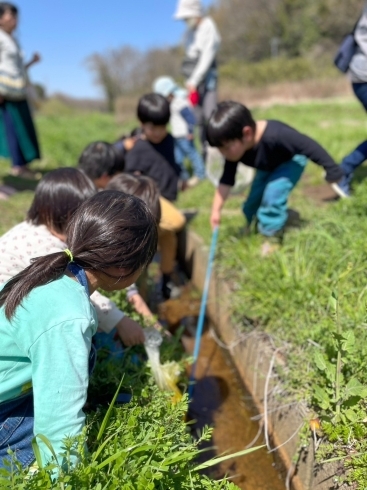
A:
[199,65]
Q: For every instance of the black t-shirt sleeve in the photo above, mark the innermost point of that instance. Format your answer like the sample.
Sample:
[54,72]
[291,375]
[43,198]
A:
[301,144]
[134,162]
[229,173]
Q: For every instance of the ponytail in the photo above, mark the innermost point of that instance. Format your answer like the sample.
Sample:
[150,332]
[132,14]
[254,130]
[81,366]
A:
[110,229]
[42,271]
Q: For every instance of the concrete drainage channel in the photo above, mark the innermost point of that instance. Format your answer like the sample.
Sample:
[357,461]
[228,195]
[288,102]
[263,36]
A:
[254,358]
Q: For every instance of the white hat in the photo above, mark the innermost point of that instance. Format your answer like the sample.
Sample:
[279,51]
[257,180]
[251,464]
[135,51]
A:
[164,86]
[187,9]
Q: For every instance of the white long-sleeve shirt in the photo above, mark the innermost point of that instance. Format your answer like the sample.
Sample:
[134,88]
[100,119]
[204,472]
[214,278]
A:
[202,43]
[26,241]
[12,70]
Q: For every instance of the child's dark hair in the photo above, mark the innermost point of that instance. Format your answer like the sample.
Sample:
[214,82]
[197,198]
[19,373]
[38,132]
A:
[5,6]
[139,186]
[153,108]
[100,158]
[227,123]
[134,133]
[58,195]
[110,229]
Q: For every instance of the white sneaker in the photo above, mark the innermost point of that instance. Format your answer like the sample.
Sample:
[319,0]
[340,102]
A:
[193,181]
[339,190]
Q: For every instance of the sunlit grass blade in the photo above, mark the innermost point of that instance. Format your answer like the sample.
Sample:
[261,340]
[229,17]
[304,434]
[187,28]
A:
[214,461]
[37,451]
[108,413]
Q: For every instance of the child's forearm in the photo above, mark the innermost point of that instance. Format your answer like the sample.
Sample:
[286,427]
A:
[220,197]
[140,306]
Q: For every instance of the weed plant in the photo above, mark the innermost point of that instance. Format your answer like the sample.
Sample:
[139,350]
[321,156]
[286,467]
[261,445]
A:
[144,444]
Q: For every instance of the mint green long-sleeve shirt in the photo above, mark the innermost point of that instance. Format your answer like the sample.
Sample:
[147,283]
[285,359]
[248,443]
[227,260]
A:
[45,347]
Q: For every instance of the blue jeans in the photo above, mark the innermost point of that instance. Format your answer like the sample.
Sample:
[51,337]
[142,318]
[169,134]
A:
[268,197]
[359,155]
[16,429]
[17,421]
[109,343]
[185,148]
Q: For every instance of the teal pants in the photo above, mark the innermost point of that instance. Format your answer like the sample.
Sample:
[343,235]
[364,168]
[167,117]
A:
[268,197]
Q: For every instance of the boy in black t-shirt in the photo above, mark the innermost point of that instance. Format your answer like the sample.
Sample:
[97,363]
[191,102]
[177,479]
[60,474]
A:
[278,152]
[153,154]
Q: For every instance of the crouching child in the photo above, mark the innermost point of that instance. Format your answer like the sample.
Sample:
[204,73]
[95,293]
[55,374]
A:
[278,152]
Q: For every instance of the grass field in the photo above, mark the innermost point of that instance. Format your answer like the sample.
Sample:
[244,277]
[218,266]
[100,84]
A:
[287,293]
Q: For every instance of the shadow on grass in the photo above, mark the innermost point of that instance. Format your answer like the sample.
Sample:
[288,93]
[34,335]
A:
[20,184]
[360,174]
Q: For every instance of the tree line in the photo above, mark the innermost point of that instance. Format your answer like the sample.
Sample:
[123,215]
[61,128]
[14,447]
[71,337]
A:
[251,30]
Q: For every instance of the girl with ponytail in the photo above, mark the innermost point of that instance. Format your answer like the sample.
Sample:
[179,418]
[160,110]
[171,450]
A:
[47,321]
[58,195]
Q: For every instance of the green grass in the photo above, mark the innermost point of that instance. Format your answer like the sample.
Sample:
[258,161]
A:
[287,293]
[62,139]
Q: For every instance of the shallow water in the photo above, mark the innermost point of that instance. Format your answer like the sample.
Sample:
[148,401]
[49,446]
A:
[220,401]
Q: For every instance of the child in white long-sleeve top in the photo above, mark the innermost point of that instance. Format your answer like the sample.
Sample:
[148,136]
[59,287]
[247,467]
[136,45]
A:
[182,123]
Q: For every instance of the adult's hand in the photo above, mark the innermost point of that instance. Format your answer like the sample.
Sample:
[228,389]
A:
[191,88]
[35,58]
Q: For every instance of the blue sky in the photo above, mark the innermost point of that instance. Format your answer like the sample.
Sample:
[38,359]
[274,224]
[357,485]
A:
[65,32]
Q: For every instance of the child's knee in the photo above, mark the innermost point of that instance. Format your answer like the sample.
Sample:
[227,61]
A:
[276,193]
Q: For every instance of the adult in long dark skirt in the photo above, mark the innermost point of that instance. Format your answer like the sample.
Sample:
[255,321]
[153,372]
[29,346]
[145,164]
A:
[18,139]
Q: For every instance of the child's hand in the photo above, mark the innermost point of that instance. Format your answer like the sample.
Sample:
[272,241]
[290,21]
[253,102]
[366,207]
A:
[190,137]
[130,332]
[163,331]
[129,143]
[215,219]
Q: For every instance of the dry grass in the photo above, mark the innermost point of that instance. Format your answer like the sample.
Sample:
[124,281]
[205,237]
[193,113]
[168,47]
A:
[125,108]
[286,93]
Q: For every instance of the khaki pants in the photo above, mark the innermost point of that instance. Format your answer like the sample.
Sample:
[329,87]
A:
[172,221]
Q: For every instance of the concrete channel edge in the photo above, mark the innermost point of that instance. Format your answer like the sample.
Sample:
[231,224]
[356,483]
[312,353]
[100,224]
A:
[252,359]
